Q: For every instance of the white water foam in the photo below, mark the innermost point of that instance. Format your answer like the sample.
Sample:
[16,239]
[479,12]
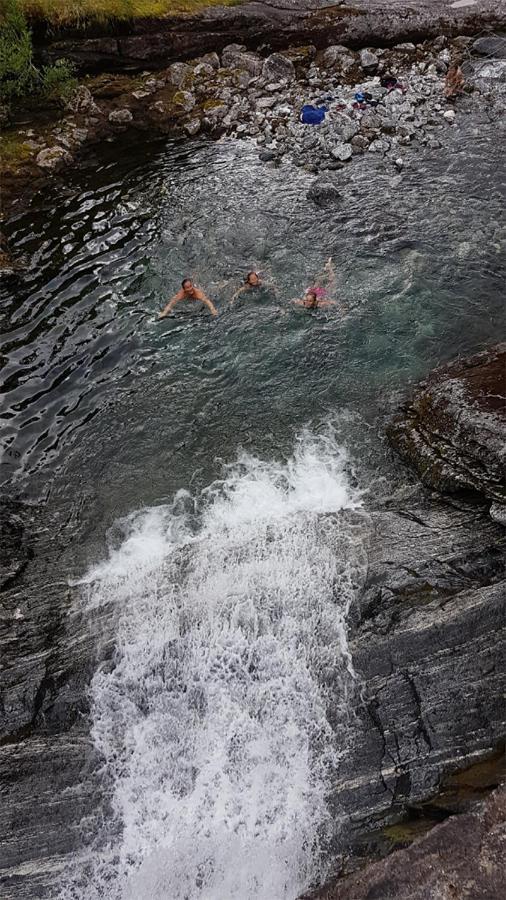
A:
[223,718]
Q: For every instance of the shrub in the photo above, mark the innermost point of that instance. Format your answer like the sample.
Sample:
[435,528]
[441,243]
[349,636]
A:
[17,72]
[19,76]
[57,82]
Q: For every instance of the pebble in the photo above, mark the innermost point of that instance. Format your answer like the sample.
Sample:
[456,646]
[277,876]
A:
[342,152]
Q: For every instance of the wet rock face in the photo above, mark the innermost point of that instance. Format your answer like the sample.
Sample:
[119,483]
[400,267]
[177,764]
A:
[427,639]
[14,544]
[461,859]
[454,430]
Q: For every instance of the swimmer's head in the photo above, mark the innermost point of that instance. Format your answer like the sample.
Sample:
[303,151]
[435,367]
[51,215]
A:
[311,298]
[187,284]
[252,278]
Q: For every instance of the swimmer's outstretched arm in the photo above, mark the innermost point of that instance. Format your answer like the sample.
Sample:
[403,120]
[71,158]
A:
[171,304]
[207,302]
[237,294]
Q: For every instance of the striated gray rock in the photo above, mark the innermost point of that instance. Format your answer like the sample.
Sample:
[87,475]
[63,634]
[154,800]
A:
[454,430]
[15,550]
[427,640]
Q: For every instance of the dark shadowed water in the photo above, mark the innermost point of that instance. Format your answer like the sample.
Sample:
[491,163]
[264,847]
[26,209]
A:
[218,730]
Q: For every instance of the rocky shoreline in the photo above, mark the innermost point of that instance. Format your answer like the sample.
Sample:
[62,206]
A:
[244,95]
[265,26]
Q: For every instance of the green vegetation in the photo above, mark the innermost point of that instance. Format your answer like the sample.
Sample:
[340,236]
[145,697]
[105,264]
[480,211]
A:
[86,12]
[19,76]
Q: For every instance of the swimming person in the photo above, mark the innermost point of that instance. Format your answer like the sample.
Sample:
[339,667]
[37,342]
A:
[252,283]
[316,297]
[188,291]
[311,300]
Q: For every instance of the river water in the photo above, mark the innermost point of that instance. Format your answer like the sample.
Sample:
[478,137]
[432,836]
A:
[215,470]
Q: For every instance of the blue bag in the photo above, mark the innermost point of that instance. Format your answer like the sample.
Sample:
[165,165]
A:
[312,115]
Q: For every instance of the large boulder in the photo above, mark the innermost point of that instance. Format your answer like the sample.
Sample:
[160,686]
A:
[454,430]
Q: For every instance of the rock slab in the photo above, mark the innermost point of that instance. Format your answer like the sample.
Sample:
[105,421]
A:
[454,430]
[460,859]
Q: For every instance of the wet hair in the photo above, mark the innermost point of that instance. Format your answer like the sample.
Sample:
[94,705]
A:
[185,281]
[248,276]
[312,294]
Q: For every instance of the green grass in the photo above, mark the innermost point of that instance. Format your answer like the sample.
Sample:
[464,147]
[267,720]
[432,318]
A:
[85,12]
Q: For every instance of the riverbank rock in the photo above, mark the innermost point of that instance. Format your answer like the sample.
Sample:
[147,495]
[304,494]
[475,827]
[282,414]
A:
[53,158]
[493,45]
[235,56]
[460,859]
[369,62]
[120,117]
[454,430]
[278,68]
[156,41]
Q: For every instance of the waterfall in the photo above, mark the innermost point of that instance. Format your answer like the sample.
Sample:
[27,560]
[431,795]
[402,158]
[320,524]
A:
[226,709]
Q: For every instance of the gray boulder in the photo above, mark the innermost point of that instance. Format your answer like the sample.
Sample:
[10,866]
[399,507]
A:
[184,101]
[369,62]
[334,56]
[120,116]
[493,46]
[323,193]
[342,152]
[177,73]
[192,127]
[237,57]
[209,59]
[53,158]
[277,67]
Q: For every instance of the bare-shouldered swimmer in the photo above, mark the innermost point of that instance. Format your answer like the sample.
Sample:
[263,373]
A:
[188,291]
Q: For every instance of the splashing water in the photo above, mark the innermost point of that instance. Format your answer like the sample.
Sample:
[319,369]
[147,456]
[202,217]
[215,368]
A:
[226,711]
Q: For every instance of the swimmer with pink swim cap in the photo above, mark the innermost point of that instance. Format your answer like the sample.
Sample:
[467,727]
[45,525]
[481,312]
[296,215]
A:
[316,297]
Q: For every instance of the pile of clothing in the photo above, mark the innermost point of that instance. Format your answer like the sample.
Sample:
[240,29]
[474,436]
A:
[315,114]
